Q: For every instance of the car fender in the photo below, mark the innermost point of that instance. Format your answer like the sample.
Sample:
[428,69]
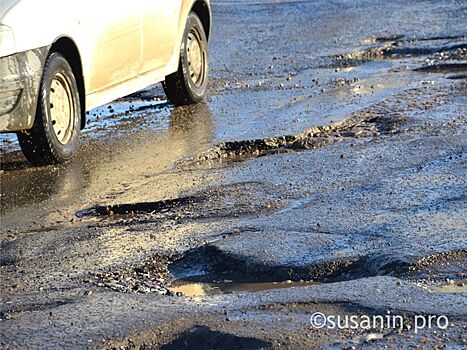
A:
[187,6]
[47,20]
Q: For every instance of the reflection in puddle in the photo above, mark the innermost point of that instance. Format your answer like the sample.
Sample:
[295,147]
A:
[37,185]
[126,115]
[106,168]
[193,289]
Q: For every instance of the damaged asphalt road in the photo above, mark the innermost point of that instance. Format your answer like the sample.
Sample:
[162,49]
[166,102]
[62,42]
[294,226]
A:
[326,173]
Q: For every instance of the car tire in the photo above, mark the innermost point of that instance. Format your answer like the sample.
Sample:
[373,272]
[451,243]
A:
[54,137]
[189,84]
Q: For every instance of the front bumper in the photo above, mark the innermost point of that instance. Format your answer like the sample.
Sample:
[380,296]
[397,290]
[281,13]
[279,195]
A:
[20,77]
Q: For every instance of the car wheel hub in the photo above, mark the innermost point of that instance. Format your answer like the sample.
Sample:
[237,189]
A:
[61,108]
[196,57]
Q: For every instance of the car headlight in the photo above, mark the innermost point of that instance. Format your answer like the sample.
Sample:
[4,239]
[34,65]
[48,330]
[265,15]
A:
[7,41]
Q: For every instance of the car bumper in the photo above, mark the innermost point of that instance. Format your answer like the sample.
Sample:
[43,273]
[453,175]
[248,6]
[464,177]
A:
[20,77]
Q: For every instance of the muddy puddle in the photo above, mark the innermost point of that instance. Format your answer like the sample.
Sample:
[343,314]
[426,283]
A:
[452,287]
[198,289]
[187,288]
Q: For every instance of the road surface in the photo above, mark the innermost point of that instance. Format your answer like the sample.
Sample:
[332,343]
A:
[325,174]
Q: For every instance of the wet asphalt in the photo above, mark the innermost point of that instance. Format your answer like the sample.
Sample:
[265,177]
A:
[325,173]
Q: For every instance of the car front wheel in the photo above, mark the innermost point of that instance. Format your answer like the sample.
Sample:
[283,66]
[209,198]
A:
[189,84]
[54,137]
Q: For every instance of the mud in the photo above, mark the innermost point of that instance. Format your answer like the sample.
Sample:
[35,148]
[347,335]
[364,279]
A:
[325,173]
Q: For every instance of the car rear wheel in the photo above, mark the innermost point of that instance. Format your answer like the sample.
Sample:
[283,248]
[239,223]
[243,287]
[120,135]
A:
[54,137]
[189,84]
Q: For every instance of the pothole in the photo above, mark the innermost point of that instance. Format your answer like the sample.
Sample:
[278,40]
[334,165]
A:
[401,37]
[202,337]
[319,136]
[398,47]
[443,68]
[457,76]
[138,208]
[241,264]
[195,289]
[230,200]
[197,275]
[213,270]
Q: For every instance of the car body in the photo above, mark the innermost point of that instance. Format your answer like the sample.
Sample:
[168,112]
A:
[113,47]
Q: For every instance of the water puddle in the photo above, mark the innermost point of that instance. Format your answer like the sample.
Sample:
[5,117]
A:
[128,113]
[456,287]
[124,113]
[194,289]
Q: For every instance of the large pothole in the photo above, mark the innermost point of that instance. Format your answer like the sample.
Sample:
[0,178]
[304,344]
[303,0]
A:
[255,261]
[319,136]
[230,200]
[400,47]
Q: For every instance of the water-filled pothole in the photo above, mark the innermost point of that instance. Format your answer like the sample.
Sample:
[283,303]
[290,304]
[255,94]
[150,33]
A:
[452,287]
[197,289]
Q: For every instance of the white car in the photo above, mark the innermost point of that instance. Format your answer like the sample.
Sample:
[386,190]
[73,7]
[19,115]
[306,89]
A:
[59,59]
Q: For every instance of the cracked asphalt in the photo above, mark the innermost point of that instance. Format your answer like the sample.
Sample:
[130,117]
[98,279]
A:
[325,173]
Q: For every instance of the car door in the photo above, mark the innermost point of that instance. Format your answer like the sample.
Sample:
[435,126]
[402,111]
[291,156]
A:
[112,31]
[160,26]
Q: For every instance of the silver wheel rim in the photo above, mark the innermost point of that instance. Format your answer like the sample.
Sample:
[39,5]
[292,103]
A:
[196,57]
[61,108]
